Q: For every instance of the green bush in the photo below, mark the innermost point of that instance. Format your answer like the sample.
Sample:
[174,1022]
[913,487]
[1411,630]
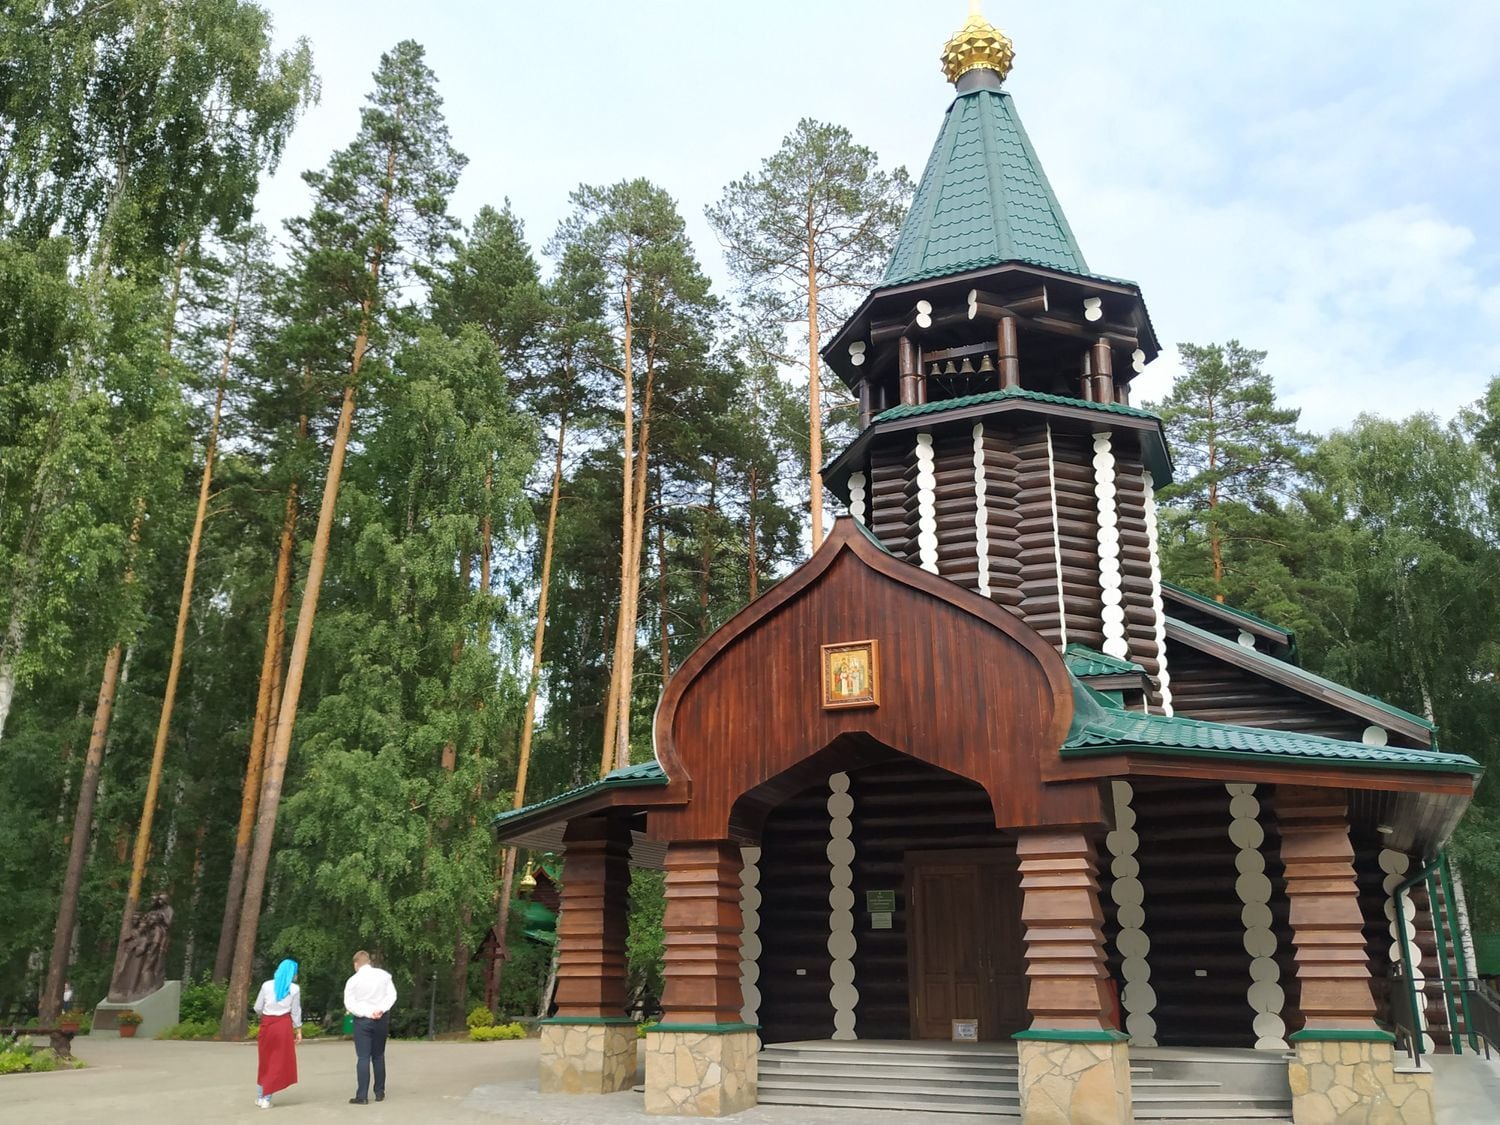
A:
[504,1031]
[202,1001]
[313,1031]
[19,1057]
[13,1061]
[480,1016]
[190,1029]
[43,1061]
[642,1028]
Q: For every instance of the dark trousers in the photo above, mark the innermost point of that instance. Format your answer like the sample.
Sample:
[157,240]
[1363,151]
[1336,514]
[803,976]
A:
[369,1049]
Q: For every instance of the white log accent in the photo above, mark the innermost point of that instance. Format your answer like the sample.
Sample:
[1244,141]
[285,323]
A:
[927,542]
[981,512]
[842,994]
[1395,865]
[1139,998]
[1062,605]
[1374,736]
[1108,529]
[750,935]
[857,496]
[1158,606]
[1265,996]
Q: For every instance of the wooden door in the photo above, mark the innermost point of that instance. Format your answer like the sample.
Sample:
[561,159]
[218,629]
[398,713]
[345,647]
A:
[967,960]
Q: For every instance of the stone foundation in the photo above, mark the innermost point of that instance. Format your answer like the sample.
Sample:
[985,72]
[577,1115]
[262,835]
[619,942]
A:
[700,1073]
[1344,1082]
[1074,1081]
[158,1010]
[587,1058]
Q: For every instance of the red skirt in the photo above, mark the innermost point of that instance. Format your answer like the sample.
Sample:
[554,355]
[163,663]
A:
[278,1054]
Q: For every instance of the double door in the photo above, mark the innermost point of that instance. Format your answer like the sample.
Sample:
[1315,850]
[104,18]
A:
[967,961]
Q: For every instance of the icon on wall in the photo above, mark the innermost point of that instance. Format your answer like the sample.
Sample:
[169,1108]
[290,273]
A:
[851,674]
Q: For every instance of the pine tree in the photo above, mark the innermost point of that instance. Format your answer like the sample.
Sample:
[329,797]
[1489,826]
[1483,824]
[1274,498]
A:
[1236,452]
[807,236]
[379,221]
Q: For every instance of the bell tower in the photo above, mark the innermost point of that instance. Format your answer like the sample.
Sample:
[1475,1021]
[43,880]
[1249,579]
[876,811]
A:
[998,447]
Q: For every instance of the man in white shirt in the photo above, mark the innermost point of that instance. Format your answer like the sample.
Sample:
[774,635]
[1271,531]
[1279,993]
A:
[369,996]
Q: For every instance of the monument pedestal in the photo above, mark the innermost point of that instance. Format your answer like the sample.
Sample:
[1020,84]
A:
[158,1010]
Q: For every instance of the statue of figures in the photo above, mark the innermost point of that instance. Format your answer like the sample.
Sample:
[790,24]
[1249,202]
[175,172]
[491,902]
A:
[142,965]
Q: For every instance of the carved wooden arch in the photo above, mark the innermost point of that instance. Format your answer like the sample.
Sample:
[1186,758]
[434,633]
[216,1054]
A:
[965,686]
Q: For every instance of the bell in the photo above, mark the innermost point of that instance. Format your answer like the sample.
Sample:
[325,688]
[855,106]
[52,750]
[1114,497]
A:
[967,367]
[527,883]
[937,369]
[951,368]
[986,363]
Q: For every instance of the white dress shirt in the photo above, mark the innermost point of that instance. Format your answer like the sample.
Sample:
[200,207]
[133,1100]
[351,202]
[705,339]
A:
[266,1003]
[368,991]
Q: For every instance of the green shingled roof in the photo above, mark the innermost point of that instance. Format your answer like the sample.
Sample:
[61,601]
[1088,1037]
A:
[1100,727]
[1083,662]
[645,774]
[937,407]
[983,199]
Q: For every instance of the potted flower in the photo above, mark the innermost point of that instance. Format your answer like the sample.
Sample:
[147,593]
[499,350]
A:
[129,1021]
[70,1020]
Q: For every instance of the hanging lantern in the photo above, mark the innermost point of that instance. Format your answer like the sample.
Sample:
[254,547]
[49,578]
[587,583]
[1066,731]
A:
[527,883]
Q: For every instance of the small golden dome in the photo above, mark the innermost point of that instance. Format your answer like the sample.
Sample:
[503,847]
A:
[978,44]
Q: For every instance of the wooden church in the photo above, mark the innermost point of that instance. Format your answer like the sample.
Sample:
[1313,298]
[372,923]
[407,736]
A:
[974,810]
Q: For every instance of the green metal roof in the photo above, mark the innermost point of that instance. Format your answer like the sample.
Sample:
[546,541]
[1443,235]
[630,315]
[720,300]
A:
[1311,678]
[1234,611]
[1084,662]
[917,409]
[1100,727]
[645,774]
[983,199]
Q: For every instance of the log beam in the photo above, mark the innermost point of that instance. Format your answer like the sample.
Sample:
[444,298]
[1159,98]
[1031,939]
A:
[1064,931]
[592,919]
[702,933]
[1327,927]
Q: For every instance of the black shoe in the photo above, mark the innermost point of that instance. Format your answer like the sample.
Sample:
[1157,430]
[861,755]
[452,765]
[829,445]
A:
[359,1101]
[380,1097]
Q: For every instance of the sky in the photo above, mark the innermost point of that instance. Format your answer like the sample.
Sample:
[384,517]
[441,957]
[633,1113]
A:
[1316,180]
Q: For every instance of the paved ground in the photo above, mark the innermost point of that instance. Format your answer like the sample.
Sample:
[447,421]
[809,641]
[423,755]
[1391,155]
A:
[477,1083]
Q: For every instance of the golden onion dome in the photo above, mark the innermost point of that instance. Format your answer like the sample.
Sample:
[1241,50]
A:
[977,45]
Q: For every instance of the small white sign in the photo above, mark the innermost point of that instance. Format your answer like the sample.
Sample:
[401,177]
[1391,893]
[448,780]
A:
[880,920]
[966,1031]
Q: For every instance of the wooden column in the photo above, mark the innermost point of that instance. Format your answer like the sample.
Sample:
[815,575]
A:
[866,404]
[1064,931]
[1008,359]
[1103,364]
[592,919]
[911,372]
[1086,376]
[1327,928]
[702,929]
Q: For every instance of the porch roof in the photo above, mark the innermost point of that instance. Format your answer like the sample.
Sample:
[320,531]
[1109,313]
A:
[1100,727]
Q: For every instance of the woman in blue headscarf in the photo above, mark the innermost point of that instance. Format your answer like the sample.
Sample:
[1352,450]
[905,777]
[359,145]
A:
[280,1008]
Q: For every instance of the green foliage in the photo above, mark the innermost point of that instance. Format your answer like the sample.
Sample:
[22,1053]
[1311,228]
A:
[313,1031]
[504,1031]
[15,1061]
[202,1001]
[480,1016]
[645,941]
[642,1028]
[130,1018]
[199,1029]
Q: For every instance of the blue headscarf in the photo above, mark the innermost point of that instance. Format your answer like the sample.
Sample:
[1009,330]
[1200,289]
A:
[283,978]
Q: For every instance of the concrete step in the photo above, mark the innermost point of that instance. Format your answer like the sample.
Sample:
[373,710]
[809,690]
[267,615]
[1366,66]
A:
[1195,1105]
[893,1072]
[881,1100]
[1241,1117]
[959,1087]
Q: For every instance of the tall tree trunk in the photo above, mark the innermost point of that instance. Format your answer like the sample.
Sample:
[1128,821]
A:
[83,819]
[706,558]
[815,411]
[233,1024]
[267,704]
[528,723]
[636,534]
[184,606]
[612,710]
[661,590]
[750,520]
